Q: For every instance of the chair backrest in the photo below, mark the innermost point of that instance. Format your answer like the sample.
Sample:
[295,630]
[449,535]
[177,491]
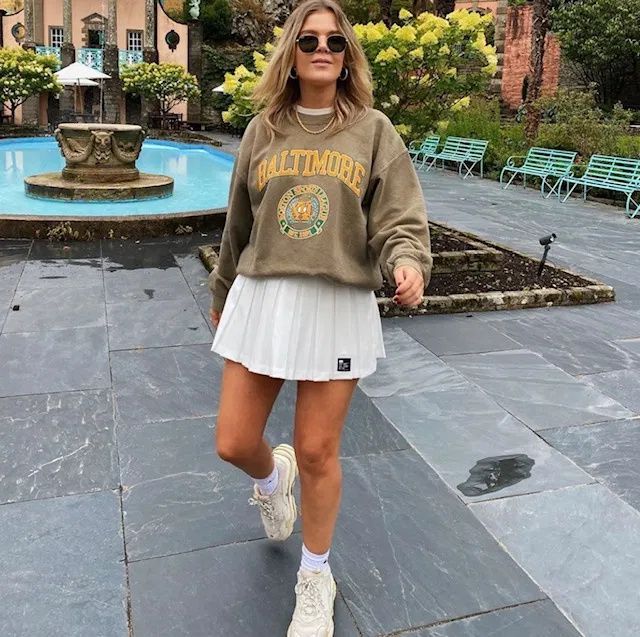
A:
[613,170]
[465,148]
[549,160]
[430,143]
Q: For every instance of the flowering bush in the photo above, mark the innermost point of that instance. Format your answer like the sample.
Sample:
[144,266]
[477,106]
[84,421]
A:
[23,74]
[423,69]
[169,83]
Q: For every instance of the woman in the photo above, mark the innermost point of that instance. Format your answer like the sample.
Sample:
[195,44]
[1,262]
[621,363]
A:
[323,194]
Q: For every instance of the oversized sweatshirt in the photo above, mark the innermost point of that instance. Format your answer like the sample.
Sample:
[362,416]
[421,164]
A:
[345,206]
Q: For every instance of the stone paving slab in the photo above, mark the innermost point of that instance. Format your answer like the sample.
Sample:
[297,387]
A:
[622,385]
[237,590]
[144,284]
[11,267]
[580,545]
[58,273]
[536,392]
[472,443]
[65,250]
[407,366]
[406,553]
[457,335]
[62,568]
[73,307]
[576,351]
[178,496]
[158,323]
[539,619]
[167,383]
[44,362]
[57,444]
[455,426]
[609,451]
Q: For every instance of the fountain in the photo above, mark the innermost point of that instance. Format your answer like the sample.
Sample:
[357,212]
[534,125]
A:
[100,166]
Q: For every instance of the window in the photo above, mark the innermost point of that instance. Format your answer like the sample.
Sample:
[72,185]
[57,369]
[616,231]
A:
[96,38]
[134,40]
[56,36]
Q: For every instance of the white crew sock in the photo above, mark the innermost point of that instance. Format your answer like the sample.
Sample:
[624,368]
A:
[268,485]
[313,562]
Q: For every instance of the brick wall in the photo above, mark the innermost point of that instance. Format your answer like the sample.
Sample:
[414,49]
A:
[517,51]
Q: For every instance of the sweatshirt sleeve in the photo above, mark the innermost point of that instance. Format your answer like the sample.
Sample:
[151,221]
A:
[237,227]
[398,230]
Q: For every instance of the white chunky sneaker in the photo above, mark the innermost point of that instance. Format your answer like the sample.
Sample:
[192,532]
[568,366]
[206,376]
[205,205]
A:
[315,597]
[278,510]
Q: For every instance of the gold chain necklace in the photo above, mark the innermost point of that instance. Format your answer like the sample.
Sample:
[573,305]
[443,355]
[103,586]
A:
[314,132]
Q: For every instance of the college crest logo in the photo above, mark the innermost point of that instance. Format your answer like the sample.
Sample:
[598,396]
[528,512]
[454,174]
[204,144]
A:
[302,211]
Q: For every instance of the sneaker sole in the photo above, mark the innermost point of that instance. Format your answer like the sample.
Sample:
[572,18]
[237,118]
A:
[330,628]
[287,453]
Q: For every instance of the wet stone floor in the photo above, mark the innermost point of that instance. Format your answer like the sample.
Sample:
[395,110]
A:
[490,464]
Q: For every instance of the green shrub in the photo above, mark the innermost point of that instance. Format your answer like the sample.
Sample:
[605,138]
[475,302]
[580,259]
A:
[580,125]
[482,121]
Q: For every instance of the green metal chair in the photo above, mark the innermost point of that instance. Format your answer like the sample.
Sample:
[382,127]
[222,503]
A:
[423,147]
[620,174]
[541,162]
[464,151]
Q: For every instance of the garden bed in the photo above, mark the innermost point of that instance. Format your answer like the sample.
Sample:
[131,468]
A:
[513,285]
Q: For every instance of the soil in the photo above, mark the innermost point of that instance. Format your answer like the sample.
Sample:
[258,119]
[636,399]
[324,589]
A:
[442,241]
[515,273]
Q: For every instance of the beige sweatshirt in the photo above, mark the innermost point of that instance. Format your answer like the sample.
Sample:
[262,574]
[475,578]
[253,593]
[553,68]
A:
[340,206]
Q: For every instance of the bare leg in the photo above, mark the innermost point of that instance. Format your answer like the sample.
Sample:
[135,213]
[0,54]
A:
[246,400]
[321,409]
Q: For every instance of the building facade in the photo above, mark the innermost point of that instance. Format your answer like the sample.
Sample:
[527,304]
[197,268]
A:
[106,35]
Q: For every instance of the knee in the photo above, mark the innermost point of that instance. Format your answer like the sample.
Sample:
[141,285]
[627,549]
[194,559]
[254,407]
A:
[234,450]
[315,459]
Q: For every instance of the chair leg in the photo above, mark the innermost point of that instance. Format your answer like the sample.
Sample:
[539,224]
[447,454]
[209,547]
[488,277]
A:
[569,191]
[631,201]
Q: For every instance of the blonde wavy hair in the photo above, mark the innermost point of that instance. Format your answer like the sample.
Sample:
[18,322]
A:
[276,93]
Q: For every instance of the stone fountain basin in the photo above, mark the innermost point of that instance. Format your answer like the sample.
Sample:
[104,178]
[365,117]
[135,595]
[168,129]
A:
[100,166]
[55,186]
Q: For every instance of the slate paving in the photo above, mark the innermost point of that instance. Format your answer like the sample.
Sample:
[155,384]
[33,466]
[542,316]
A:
[490,464]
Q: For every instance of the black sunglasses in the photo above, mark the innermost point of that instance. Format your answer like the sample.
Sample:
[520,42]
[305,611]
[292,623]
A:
[309,43]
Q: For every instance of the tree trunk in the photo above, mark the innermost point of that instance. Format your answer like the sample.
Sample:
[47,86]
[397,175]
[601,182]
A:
[541,20]
[444,7]
[419,6]
[385,11]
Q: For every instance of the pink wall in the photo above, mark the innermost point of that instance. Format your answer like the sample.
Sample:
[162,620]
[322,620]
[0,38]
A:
[180,55]
[9,42]
[7,24]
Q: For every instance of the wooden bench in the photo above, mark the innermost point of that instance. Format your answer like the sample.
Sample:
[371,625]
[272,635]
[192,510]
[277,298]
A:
[464,151]
[423,147]
[541,162]
[621,174]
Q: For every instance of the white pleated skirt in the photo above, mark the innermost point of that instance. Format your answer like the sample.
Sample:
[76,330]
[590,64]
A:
[300,328]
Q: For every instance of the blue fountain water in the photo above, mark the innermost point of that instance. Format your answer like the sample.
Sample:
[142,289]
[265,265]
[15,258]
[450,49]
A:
[201,174]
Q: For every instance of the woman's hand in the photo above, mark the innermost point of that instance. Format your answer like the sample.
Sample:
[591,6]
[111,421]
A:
[410,286]
[215,317]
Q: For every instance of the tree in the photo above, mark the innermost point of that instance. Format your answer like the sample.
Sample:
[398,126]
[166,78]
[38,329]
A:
[423,70]
[541,23]
[168,83]
[602,40]
[23,74]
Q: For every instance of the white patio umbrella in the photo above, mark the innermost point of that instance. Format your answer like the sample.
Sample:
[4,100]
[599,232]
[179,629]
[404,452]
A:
[77,72]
